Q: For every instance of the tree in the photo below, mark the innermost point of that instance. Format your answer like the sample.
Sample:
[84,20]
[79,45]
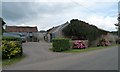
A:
[2,23]
[83,30]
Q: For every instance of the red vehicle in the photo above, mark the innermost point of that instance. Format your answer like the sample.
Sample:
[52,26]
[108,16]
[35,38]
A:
[79,44]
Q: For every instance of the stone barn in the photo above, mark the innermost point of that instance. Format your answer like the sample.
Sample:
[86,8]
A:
[55,32]
[25,32]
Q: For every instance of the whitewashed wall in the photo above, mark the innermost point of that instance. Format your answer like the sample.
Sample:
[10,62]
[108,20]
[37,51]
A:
[39,36]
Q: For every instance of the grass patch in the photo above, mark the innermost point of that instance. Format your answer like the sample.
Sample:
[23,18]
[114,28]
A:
[85,50]
[12,61]
[50,49]
[0,37]
[0,49]
[0,55]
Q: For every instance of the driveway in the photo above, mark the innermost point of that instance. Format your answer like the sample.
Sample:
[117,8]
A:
[40,58]
[36,52]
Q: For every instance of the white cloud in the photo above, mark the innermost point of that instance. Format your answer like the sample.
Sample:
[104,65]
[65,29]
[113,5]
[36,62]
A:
[106,23]
[86,1]
[31,25]
[49,13]
[36,1]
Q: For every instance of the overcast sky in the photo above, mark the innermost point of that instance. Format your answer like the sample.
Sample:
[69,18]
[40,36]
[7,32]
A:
[46,14]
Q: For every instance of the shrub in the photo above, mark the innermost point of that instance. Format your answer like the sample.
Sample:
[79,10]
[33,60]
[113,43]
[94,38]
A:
[11,38]
[11,49]
[60,44]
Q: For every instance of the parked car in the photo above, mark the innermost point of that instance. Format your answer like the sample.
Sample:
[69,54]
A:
[79,44]
[23,39]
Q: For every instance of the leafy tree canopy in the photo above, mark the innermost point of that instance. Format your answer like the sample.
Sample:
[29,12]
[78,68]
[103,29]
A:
[83,30]
[2,23]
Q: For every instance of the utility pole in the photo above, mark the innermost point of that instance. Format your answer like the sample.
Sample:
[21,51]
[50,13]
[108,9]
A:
[119,19]
[118,24]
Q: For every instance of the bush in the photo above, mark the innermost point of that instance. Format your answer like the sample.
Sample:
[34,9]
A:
[11,49]
[60,44]
[11,38]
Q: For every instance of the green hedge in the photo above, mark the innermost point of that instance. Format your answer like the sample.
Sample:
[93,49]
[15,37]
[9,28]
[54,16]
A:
[60,44]
[11,49]
[11,38]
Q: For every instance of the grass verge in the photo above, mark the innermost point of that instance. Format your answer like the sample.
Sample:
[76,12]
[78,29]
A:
[11,61]
[85,50]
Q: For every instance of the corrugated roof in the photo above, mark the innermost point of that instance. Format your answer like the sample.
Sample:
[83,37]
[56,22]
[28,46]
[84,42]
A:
[21,29]
[53,29]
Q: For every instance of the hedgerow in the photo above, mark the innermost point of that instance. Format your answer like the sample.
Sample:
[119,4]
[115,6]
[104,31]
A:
[61,44]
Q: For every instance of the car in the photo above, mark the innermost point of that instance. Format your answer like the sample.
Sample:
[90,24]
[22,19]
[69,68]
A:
[23,39]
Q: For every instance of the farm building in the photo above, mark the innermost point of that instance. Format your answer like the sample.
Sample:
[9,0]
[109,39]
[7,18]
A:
[82,30]
[25,32]
[55,32]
